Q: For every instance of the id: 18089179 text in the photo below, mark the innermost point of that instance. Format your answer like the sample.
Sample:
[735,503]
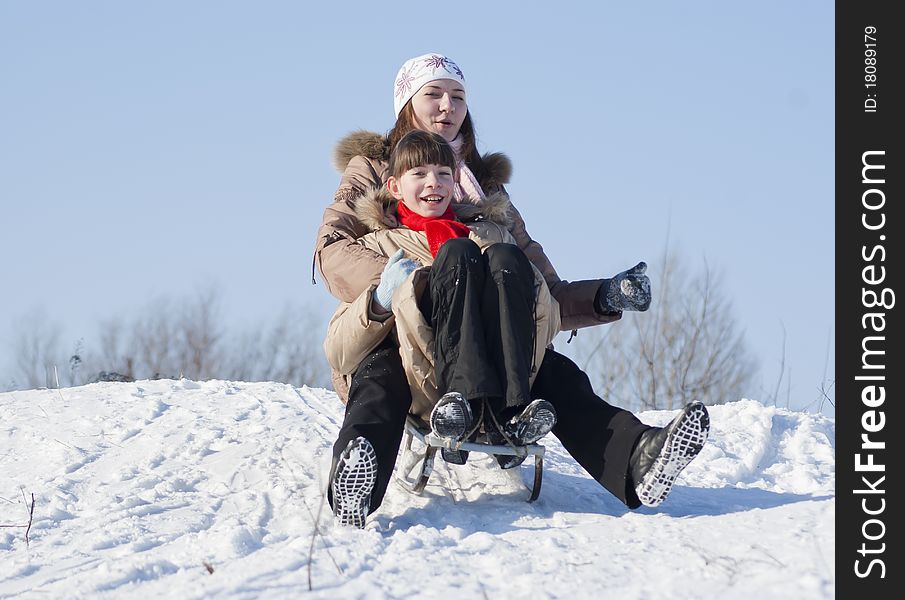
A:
[870,69]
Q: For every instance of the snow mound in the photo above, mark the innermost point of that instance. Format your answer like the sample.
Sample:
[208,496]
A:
[181,489]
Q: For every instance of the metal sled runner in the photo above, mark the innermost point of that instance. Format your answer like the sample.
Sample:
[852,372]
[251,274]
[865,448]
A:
[418,480]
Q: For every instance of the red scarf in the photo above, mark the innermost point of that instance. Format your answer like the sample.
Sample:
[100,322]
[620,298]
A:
[438,229]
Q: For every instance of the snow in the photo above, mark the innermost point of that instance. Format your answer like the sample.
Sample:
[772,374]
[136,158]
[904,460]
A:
[142,489]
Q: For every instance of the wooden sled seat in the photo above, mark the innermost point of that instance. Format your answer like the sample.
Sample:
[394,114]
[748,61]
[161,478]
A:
[415,478]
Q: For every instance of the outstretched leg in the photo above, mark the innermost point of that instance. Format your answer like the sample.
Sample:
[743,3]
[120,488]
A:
[379,400]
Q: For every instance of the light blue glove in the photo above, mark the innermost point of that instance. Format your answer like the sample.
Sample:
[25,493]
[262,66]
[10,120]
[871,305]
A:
[393,275]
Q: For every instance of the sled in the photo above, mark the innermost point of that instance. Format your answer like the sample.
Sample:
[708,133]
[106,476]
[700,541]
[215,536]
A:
[411,458]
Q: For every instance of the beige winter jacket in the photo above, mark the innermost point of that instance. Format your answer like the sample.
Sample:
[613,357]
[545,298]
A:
[354,332]
[349,268]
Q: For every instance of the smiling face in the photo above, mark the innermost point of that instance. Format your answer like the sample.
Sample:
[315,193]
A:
[424,189]
[440,107]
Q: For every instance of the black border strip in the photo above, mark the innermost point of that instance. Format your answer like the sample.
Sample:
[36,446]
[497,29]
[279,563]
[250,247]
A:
[869,269]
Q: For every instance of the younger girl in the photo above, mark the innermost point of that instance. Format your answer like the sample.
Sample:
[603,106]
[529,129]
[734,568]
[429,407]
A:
[471,329]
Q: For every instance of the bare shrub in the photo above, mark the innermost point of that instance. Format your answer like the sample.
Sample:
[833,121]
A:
[200,337]
[184,338]
[286,350]
[37,349]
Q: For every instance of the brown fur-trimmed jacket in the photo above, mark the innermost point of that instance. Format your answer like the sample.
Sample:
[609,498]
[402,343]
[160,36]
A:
[349,268]
[354,331]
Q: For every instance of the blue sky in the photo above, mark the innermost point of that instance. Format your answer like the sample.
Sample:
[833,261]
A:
[149,148]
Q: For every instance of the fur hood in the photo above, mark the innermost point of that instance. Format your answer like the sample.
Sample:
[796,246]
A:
[374,146]
[376,210]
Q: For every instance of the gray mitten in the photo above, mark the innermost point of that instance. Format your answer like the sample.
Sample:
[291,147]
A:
[394,274]
[628,290]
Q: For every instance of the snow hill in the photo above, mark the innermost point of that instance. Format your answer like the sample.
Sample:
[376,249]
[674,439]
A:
[178,489]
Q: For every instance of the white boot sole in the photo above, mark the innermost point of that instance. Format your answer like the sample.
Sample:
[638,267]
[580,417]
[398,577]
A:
[683,444]
[451,418]
[353,482]
[539,425]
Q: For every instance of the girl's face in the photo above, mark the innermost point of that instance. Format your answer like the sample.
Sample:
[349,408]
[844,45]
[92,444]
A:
[425,190]
[440,107]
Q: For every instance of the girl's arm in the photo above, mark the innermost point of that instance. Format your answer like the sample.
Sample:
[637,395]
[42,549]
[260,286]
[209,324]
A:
[348,268]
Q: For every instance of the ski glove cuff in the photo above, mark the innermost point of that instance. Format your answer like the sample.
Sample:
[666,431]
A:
[394,273]
[628,290]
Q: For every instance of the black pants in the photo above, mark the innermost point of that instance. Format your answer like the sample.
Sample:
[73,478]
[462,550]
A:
[481,309]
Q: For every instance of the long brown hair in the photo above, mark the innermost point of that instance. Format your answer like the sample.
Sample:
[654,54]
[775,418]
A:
[405,122]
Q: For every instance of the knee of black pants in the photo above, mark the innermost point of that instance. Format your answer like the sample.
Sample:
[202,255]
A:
[506,257]
[508,262]
[456,251]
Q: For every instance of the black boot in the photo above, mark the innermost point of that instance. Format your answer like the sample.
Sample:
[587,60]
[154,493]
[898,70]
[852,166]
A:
[526,427]
[533,423]
[452,418]
[661,453]
[353,477]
